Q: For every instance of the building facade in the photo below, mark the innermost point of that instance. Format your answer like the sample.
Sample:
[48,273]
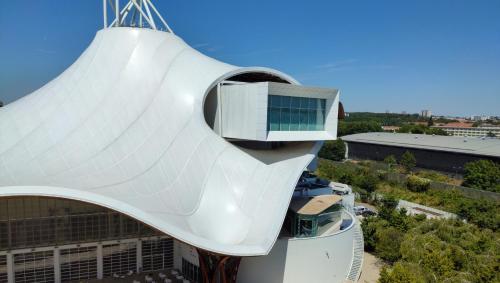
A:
[146,155]
[470,131]
[426,113]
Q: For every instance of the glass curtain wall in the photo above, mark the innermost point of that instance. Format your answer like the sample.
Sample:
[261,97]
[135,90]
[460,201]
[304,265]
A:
[27,222]
[191,271]
[119,259]
[78,264]
[290,113]
[3,269]
[157,254]
[35,267]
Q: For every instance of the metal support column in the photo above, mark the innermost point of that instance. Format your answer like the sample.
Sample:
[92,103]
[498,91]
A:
[100,264]
[10,268]
[117,13]
[139,256]
[57,265]
[105,13]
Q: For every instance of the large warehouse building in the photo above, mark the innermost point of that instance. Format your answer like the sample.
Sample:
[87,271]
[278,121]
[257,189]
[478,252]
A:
[146,160]
[443,153]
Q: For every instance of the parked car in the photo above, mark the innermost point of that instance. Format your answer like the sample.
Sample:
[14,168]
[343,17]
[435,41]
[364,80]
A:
[362,210]
[358,210]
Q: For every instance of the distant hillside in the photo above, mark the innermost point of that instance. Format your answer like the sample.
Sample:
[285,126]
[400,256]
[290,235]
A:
[389,119]
[363,122]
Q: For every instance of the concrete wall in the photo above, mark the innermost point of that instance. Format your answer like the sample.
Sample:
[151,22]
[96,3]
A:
[300,260]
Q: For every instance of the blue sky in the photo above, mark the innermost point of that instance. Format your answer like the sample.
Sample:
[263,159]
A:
[383,55]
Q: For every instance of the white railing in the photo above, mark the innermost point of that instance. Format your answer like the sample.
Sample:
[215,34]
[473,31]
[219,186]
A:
[358,253]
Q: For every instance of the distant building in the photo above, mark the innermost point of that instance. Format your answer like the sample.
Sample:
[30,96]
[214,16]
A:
[426,113]
[467,130]
[390,128]
[443,153]
[479,118]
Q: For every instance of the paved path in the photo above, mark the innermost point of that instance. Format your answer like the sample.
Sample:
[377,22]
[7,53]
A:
[371,269]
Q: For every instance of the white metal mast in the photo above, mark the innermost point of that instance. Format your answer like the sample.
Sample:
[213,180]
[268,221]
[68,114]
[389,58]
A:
[136,13]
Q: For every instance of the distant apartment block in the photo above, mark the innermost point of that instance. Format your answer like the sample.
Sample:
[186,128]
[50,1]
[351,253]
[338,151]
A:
[479,118]
[467,130]
[426,113]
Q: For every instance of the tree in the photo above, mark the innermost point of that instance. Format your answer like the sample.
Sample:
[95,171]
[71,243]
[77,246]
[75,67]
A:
[490,134]
[430,122]
[408,161]
[369,227]
[482,174]
[388,205]
[349,128]
[333,150]
[390,160]
[388,242]
[421,129]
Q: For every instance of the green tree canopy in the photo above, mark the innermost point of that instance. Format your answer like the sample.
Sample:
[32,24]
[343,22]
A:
[421,129]
[390,160]
[430,122]
[349,128]
[482,174]
[333,150]
[408,161]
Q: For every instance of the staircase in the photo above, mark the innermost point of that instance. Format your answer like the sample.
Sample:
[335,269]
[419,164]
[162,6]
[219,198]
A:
[358,251]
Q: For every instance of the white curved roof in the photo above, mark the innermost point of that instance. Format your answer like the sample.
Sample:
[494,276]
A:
[123,127]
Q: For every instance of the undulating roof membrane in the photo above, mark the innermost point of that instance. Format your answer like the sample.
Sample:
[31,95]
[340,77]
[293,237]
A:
[123,127]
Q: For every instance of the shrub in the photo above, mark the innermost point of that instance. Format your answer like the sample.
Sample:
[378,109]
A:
[434,176]
[417,184]
[388,242]
[482,174]
[333,150]
[368,182]
[403,272]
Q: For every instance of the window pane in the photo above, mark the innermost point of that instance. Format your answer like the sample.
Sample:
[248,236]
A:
[313,103]
[275,100]
[285,101]
[274,119]
[303,120]
[294,120]
[320,120]
[295,102]
[311,126]
[323,103]
[285,120]
[304,103]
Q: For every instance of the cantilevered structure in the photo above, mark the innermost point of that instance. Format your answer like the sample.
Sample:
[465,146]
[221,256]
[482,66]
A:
[145,126]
